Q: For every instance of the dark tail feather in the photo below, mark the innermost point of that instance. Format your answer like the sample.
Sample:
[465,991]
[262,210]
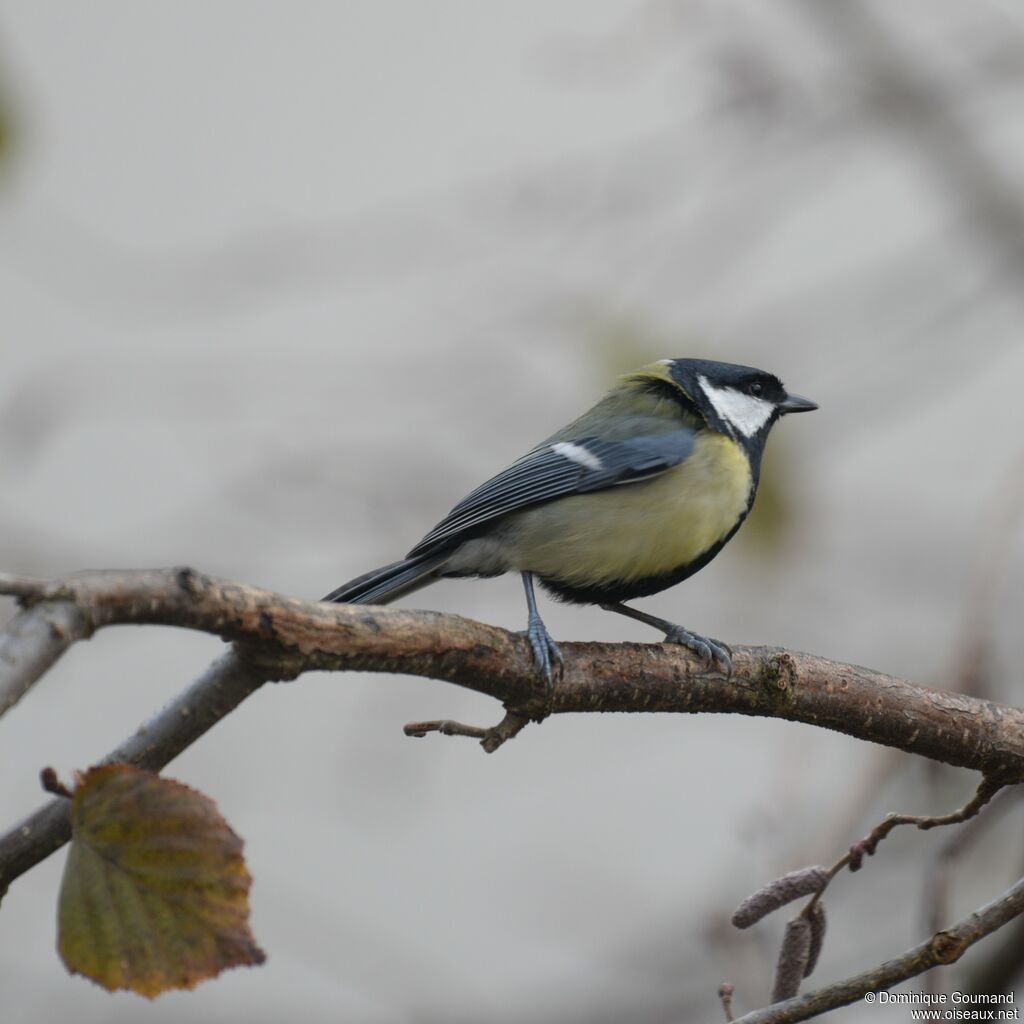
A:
[389,582]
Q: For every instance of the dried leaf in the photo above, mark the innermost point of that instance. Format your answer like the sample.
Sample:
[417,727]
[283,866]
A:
[777,894]
[155,889]
[789,971]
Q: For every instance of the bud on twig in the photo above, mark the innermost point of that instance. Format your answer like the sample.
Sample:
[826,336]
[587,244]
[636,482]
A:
[725,994]
[52,784]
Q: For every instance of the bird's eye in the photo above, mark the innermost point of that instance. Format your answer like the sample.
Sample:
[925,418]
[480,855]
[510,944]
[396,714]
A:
[756,389]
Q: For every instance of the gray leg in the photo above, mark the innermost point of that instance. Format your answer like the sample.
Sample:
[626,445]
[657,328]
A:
[704,647]
[545,651]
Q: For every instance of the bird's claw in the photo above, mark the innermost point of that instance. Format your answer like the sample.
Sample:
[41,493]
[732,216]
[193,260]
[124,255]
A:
[706,648]
[546,653]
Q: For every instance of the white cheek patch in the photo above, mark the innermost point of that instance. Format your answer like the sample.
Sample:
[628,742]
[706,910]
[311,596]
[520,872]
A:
[746,413]
[576,453]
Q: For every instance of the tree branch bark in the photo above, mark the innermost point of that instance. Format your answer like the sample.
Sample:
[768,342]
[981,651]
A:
[32,642]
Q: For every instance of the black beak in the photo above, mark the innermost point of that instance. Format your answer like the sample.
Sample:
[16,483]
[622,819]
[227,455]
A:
[794,403]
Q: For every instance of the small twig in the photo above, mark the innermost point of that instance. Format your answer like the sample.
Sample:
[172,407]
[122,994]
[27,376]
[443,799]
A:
[725,994]
[867,846]
[511,725]
[446,727]
[52,784]
[987,789]
[490,739]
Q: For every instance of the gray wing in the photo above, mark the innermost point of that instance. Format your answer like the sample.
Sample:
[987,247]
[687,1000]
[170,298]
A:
[557,469]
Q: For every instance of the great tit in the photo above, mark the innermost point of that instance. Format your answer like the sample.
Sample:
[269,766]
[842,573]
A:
[636,495]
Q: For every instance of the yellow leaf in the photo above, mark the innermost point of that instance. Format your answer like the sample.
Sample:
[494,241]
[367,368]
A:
[155,889]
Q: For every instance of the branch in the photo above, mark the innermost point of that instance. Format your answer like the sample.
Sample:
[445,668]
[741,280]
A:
[285,637]
[280,637]
[32,641]
[944,947]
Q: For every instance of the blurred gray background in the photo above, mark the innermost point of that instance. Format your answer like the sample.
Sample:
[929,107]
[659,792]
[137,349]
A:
[282,281]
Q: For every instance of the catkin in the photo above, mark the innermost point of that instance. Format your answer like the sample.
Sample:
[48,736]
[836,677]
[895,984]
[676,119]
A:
[789,971]
[818,922]
[777,894]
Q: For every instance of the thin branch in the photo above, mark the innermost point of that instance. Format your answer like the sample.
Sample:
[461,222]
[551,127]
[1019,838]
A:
[944,947]
[490,739]
[1000,970]
[725,994]
[32,641]
[853,859]
[446,727]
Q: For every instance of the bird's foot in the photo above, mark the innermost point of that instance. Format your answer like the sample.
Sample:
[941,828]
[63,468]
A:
[546,653]
[706,648]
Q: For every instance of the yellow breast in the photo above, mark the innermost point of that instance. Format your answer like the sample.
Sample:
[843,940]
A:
[638,530]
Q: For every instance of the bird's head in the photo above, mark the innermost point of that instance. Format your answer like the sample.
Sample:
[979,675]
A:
[739,401]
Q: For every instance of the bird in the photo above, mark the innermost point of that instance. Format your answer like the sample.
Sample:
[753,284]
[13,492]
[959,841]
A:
[634,496]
